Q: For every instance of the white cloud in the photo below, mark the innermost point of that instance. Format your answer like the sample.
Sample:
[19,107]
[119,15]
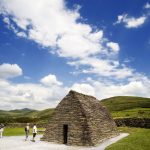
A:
[84,88]
[21,95]
[34,96]
[105,89]
[79,45]
[10,71]
[50,80]
[21,34]
[51,91]
[114,46]
[53,25]
[101,67]
[147,6]
[6,20]
[131,22]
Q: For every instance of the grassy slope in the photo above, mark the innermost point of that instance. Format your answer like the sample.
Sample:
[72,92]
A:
[128,106]
[16,113]
[121,106]
[23,116]
[22,113]
[126,102]
[132,113]
[137,140]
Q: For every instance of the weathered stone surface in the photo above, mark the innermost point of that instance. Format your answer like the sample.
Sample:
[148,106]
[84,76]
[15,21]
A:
[133,122]
[88,122]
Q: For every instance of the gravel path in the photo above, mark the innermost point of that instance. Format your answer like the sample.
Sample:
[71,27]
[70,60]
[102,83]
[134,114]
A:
[18,143]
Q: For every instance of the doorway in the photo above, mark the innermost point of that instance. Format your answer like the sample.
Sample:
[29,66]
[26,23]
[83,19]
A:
[65,133]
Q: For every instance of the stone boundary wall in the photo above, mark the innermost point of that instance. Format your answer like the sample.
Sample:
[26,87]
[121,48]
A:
[130,122]
[133,122]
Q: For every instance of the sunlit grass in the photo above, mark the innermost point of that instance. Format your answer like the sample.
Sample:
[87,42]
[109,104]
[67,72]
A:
[132,113]
[139,139]
[18,131]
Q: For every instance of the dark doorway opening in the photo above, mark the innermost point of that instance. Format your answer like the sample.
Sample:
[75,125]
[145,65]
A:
[65,133]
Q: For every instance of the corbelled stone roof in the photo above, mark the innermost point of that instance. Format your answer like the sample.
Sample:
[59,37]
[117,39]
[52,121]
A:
[92,108]
[88,121]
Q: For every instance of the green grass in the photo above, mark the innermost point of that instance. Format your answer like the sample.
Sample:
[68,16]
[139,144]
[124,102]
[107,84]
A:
[139,139]
[24,116]
[120,103]
[18,131]
[128,106]
[29,113]
[132,113]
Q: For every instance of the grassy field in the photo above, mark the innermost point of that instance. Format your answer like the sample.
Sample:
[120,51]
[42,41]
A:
[139,139]
[120,103]
[18,131]
[128,106]
[132,113]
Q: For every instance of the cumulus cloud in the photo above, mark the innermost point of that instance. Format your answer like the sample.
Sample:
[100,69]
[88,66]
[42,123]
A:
[105,89]
[83,88]
[114,46]
[131,22]
[105,68]
[50,80]
[34,96]
[10,71]
[51,24]
[21,95]
[51,91]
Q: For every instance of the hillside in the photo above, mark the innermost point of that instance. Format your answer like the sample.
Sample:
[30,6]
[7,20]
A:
[25,115]
[16,112]
[128,106]
[120,107]
[126,102]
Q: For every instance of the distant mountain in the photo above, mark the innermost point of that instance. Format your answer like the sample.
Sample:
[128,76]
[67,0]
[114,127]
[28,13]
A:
[22,110]
[27,109]
[26,113]
[16,112]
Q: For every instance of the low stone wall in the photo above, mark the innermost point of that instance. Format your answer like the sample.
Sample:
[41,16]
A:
[130,122]
[133,122]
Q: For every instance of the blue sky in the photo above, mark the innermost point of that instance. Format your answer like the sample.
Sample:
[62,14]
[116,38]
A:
[99,47]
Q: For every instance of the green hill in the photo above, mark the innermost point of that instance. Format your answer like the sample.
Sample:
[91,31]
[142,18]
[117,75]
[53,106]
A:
[25,115]
[126,102]
[16,112]
[128,106]
[119,107]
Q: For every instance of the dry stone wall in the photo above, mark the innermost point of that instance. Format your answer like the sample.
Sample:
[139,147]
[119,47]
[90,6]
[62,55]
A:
[88,122]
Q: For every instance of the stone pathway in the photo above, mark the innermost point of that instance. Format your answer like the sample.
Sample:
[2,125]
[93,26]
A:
[18,143]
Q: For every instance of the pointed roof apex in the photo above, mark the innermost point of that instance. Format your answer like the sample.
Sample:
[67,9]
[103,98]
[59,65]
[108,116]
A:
[78,93]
